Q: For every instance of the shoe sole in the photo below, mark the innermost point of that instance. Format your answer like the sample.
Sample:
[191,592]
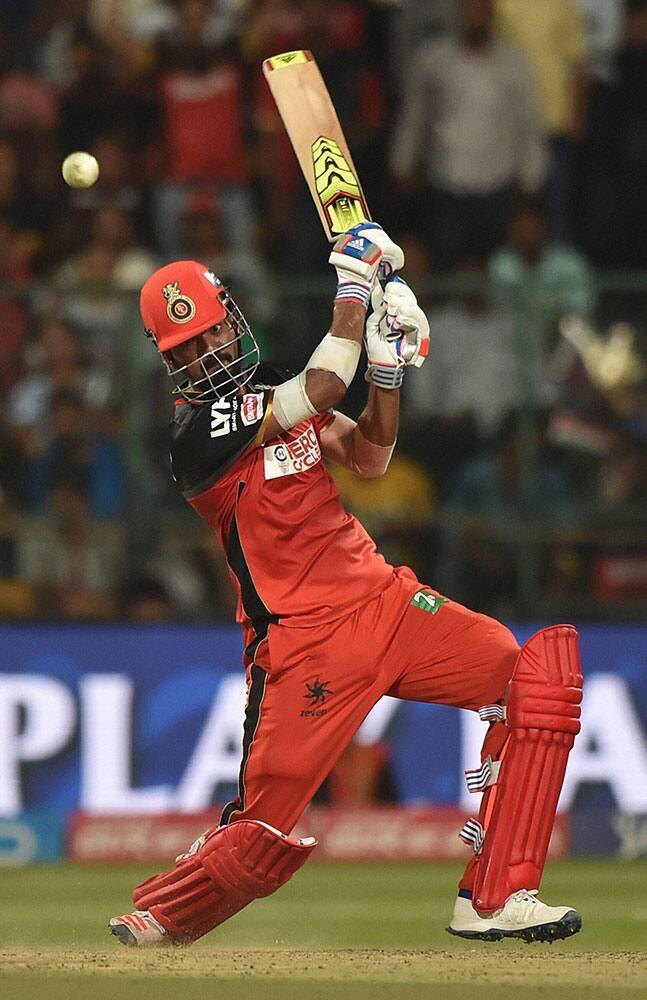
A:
[570,924]
[123,934]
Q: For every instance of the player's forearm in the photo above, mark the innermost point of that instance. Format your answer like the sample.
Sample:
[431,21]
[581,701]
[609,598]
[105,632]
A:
[380,419]
[348,320]
[326,388]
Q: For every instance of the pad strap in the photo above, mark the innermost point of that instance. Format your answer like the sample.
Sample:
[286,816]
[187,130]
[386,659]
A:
[483,777]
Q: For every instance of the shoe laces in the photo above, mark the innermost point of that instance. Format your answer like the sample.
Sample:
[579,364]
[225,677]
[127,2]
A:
[526,899]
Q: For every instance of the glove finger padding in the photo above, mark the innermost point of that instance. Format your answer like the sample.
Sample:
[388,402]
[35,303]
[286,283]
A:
[410,327]
[402,322]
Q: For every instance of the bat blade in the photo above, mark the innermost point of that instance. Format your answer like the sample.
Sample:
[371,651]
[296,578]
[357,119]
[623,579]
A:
[311,122]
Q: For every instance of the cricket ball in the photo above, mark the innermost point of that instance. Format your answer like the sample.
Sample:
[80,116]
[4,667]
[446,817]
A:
[80,170]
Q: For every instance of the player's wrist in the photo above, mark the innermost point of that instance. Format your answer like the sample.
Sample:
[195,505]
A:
[354,290]
[384,375]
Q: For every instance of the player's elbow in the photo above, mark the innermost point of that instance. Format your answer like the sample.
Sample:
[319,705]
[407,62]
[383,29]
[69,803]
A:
[369,460]
[325,390]
[371,473]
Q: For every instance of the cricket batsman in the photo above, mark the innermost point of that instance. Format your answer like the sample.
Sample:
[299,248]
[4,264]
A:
[329,626]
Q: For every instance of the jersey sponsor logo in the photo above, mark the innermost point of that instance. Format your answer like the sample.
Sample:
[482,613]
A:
[427,601]
[222,419]
[251,408]
[287,458]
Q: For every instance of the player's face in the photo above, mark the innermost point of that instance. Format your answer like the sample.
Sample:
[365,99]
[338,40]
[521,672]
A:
[220,339]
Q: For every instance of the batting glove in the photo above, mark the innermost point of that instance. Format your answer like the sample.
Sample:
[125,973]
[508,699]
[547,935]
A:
[392,254]
[357,255]
[397,334]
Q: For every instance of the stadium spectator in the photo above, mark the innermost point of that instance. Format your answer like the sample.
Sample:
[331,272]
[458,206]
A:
[29,105]
[145,600]
[546,277]
[114,227]
[16,325]
[470,121]
[72,561]
[617,564]
[77,449]
[480,373]
[552,35]
[201,99]
[605,32]
[86,289]
[544,282]
[12,469]
[16,204]
[503,502]
[411,25]
[91,101]
[627,192]
[56,361]
[204,239]
[50,37]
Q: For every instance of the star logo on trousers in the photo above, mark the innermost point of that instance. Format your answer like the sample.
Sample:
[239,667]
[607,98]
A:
[317,692]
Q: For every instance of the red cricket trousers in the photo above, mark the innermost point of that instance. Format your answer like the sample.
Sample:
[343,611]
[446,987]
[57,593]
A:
[309,689]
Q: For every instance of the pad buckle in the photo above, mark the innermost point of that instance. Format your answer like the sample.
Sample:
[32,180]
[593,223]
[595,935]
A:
[194,848]
[492,713]
[473,835]
[480,778]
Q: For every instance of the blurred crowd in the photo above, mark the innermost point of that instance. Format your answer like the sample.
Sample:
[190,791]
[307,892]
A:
[502,142]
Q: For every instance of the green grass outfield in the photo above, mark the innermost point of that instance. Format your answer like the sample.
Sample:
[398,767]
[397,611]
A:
[342,931]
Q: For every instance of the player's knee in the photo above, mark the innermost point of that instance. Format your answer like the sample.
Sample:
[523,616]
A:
[504,654]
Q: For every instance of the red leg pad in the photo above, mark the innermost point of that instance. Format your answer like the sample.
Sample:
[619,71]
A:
[231,866]
[543,711]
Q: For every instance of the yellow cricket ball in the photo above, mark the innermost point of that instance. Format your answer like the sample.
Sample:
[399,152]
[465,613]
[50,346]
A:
[80,170]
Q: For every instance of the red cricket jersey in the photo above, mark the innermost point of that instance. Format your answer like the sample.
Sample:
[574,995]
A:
[295,555]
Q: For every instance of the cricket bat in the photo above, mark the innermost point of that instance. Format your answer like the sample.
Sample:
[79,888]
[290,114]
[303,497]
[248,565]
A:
[312,124]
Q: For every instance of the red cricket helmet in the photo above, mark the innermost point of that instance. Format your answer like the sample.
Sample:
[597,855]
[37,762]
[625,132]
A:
[182,300]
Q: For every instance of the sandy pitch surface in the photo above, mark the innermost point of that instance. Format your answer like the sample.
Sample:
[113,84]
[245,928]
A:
[550,967]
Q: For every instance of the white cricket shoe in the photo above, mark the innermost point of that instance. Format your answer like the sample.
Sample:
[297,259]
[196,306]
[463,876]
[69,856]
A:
[139,930]
[522,915]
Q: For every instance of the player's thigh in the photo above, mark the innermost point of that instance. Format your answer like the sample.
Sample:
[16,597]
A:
[302,712]
[456,656]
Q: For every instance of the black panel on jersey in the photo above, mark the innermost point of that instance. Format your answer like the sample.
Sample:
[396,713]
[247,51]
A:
[253,606]
[252,718]
[268,374]
[207,438]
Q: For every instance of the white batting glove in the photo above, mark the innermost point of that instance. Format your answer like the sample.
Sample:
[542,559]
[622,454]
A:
[397,334]
[392,254]
[357,255]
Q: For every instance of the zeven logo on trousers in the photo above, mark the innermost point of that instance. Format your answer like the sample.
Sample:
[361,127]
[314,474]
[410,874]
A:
[316,693]
[428,601]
